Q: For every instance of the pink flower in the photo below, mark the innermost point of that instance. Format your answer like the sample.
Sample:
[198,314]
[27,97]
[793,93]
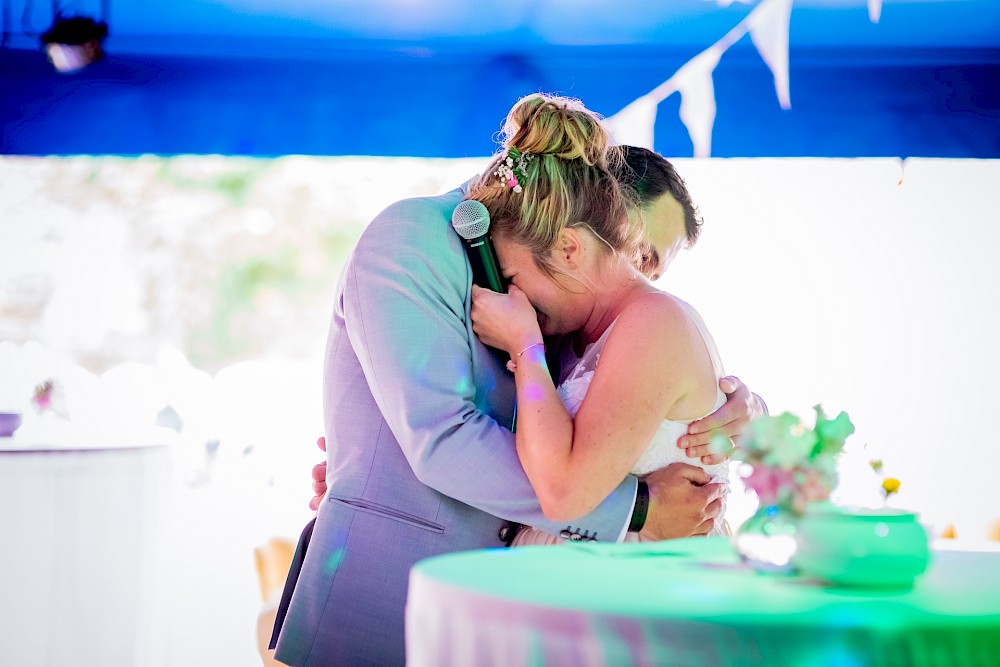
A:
[770,483]
[42,396]
[811,486]
[793,465]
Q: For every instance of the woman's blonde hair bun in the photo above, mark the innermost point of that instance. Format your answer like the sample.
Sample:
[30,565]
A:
[566,183]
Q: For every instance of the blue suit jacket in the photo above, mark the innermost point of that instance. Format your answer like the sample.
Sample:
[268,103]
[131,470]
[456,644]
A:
[421,461]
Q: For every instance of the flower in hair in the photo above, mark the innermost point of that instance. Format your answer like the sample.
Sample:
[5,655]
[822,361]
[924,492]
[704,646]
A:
[511,169]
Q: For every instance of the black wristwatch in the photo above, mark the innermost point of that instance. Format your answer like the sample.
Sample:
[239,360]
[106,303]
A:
[640,509]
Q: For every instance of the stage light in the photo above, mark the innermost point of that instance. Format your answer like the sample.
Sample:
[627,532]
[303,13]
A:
[73,43]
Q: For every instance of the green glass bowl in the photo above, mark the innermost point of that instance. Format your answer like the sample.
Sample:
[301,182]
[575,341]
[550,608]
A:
[874,548]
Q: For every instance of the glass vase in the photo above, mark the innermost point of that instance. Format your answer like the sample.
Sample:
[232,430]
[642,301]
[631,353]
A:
[766,541]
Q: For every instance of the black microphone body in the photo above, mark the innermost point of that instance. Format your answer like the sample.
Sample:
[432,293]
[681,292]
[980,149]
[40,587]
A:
[472,222]
[485,265]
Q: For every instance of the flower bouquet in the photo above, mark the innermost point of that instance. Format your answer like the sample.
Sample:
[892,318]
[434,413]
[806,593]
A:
[791,466]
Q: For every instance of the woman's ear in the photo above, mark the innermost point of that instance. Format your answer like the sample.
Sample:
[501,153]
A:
[570,248]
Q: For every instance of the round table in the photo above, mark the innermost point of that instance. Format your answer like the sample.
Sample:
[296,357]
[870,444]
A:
[690,602]
[80,528]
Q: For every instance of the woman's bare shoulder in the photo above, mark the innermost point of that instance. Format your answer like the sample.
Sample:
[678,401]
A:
[658,329]
[653,311]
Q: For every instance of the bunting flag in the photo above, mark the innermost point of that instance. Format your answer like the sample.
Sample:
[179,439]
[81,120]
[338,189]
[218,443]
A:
[694,81]
[769,33]
[633,125]
[768,25]
[874,10]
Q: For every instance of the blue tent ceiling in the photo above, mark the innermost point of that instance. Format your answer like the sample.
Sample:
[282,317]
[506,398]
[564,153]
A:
[434,77]
[485,24]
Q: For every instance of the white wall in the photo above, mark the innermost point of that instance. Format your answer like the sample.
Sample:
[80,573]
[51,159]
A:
[835,282]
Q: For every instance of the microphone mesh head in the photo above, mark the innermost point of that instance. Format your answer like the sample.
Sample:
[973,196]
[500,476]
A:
[470,219]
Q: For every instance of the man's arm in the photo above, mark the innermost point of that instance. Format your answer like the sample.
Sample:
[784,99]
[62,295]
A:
[682,501]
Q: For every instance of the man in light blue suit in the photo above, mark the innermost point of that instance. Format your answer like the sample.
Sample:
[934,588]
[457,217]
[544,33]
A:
[422,461]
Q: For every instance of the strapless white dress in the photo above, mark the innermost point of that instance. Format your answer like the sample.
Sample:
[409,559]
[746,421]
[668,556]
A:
[662,449]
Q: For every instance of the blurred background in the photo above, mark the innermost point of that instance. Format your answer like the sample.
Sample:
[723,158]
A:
[180,184]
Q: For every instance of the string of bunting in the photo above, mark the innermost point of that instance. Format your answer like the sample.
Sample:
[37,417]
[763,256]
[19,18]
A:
[768,25]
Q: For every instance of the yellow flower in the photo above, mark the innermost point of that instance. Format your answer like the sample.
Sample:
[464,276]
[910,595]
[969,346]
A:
[890,485]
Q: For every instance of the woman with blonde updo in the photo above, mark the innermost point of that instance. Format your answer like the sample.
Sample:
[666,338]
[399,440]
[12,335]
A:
[637,364]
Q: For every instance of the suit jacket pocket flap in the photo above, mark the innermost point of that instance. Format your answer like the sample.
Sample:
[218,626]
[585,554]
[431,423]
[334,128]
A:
[389,513]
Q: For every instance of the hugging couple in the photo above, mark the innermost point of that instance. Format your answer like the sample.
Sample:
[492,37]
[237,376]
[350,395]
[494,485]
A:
[618,385]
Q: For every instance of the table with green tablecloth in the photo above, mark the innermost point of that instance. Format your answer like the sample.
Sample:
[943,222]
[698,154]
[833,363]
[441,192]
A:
[691,602]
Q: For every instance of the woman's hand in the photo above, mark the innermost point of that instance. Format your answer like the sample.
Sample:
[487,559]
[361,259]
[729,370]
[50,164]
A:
[504,321]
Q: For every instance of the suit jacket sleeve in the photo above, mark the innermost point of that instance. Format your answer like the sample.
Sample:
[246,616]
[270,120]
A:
[405,305]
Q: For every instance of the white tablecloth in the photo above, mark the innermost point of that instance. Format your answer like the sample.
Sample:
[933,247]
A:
[690,602]
[79,571]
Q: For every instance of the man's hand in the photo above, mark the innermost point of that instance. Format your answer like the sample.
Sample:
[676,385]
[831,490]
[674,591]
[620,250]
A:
[319,478]
[682,502]
[729,420]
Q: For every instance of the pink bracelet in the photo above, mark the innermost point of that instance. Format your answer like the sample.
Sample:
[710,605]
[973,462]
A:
[511,365]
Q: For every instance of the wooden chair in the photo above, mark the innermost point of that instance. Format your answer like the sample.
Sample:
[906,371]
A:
[273,560]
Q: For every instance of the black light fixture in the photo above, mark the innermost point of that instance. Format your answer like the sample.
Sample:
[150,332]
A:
[74,42]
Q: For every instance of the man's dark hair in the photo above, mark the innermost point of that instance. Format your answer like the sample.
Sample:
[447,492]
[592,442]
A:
[649,175]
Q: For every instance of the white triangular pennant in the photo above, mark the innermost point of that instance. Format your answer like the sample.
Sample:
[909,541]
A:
[874,10]
[769,31]
[694,81]
[633,125]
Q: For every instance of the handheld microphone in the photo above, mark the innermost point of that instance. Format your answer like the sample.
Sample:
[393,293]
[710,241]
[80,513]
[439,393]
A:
[472,222]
